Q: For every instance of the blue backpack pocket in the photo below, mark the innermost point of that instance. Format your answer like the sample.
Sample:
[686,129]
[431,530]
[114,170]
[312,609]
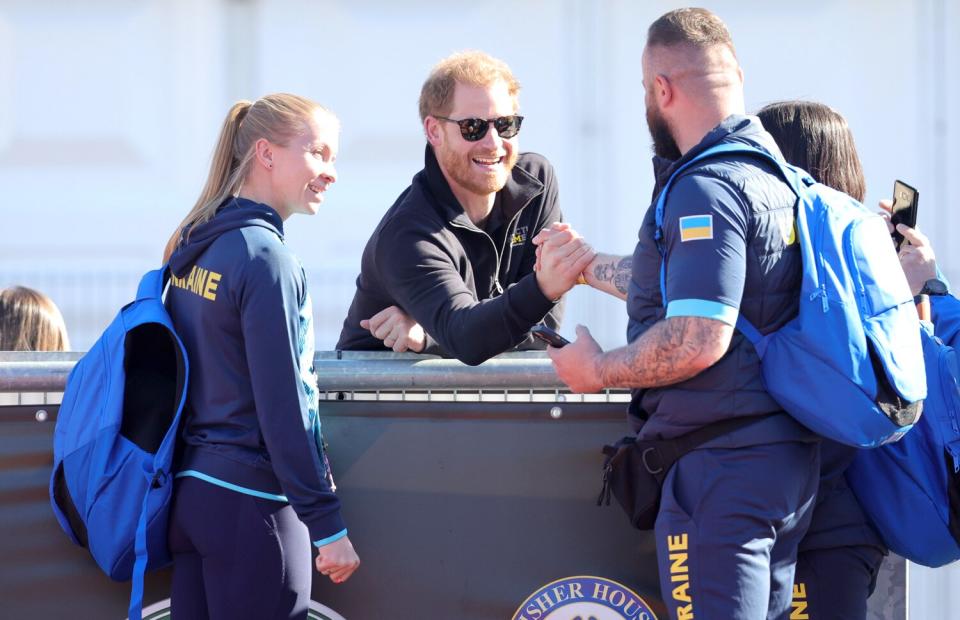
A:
[910,490]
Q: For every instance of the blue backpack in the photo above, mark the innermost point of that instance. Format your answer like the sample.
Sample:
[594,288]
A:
[850,365]
[114,440]
[910,490]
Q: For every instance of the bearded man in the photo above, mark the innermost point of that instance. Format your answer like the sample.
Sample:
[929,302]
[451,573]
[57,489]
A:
[734,510]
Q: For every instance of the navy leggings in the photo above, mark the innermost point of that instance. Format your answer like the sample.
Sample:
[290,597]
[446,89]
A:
[236,556]
[834,584]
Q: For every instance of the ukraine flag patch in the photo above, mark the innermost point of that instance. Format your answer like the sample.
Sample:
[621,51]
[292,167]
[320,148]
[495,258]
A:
[695,227]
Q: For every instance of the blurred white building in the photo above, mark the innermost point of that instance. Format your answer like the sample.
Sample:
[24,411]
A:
[109,110]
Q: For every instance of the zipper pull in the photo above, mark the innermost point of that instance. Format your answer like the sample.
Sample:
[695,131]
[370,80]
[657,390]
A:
[822,294]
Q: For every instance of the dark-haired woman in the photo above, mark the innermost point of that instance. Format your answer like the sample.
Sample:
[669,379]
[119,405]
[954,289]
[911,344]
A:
[840,555]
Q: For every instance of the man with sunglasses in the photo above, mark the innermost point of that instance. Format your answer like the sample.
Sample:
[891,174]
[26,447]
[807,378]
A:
[450,267]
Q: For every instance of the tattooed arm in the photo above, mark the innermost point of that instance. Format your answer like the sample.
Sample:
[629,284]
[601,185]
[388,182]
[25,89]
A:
[672,350]
[610,274]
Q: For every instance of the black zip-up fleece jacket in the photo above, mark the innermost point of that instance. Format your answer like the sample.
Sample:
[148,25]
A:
[474,294]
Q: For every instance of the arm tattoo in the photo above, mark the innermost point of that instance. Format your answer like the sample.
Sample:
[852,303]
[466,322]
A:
[615,271]
[604,272]
[671,351]
[621,278]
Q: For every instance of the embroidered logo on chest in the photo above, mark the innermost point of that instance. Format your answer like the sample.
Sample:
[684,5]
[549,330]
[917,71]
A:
[518,237]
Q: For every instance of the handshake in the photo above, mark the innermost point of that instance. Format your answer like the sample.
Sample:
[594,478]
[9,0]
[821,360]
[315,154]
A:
[562,257]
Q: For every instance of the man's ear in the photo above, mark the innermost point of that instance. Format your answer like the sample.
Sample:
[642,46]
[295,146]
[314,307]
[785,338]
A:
[431,128]
[263,153]
[663,91]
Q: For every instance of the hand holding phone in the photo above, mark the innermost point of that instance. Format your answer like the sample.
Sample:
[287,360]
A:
[544,333]
[904,210]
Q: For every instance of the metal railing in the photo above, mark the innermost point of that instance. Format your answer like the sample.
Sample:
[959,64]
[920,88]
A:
[358,375]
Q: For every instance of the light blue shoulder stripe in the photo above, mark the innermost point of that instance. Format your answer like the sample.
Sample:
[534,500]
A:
[703,308]
[227,485]
[330,539]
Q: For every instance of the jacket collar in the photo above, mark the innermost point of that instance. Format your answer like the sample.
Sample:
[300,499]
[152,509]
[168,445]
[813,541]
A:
[521,188]
[234,213]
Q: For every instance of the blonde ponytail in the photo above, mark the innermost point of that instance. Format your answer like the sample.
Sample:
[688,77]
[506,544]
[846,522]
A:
[277,118]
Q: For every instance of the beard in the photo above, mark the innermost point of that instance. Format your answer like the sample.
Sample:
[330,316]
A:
[461,170]
[663,143]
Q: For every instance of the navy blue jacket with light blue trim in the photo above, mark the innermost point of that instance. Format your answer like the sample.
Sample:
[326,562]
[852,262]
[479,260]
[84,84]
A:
[746,262]
[239,301]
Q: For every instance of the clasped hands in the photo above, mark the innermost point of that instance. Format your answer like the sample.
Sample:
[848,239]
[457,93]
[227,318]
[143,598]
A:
[562,255]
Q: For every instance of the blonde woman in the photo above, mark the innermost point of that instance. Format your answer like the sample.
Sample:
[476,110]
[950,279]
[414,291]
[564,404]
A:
[30,321]
[254,489]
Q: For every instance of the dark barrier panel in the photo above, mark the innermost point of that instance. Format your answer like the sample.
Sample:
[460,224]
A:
[44,575]
[463,511]
[458,510]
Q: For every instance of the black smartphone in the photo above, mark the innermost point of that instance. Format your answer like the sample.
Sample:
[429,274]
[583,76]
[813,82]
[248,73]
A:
[552,338]
[904,209]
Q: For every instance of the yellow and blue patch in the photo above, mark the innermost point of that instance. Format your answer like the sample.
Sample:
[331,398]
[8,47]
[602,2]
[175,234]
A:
[518,237]
[696,227]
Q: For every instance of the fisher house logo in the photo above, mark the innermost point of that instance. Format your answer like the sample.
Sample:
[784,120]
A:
[584,598]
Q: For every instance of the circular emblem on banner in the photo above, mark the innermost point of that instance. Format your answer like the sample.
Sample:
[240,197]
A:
[584,598]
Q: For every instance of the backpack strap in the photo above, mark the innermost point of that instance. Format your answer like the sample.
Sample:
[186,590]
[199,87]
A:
[794,177]
[151,286]
[152,283]
[752,334]
[135,610]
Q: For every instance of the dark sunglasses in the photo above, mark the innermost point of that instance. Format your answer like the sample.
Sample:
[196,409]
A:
[473,129]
